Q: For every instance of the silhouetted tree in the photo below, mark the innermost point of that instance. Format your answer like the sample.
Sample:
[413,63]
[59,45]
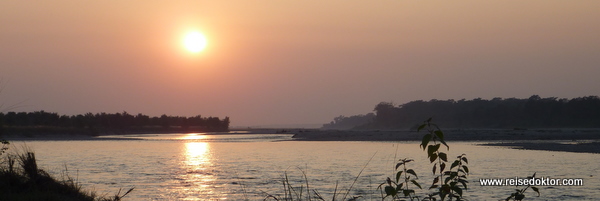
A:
[534,111]
[117,122]
[342,122]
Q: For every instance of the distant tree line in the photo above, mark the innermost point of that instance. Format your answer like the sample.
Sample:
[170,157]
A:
[534,112]
[343,122]
[112,122]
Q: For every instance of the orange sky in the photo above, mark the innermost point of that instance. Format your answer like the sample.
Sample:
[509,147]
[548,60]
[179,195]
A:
[291,62]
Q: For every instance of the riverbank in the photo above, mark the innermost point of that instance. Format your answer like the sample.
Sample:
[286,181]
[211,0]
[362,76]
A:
[541,139]
[58,137]
[450,135]
[570,140]
[74,132]
[578,147]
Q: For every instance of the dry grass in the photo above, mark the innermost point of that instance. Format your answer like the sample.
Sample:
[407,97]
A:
[28,182]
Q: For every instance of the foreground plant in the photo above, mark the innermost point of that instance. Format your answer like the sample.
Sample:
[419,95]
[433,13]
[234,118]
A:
[4,146]
[520,193]
[402,182]
[303,192]
[447,183]
[26,181]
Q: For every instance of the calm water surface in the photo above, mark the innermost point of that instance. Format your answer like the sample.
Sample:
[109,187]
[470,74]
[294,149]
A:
[236,167]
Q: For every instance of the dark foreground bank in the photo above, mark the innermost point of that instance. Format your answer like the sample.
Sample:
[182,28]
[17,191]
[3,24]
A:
[21,179]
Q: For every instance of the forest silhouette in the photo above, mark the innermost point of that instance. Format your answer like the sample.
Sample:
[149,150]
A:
[41,122]
[513,113]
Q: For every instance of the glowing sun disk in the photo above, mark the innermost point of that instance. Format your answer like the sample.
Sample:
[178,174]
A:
[194,42]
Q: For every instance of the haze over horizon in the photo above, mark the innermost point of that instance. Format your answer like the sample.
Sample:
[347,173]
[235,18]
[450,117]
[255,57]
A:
[291,63]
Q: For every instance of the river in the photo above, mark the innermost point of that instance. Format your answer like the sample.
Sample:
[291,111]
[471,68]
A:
[253,166]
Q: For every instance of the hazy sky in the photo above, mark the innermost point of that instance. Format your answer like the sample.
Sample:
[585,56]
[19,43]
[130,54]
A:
[291,62]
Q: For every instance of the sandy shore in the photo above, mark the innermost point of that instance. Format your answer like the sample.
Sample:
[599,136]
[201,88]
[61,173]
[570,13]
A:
[571,140]
[579,147]
[58,138]
[518,139]
[450,135]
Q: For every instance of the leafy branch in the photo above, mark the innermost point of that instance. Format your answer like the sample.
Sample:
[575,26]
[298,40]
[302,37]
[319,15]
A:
[450,184]
[401,182]
[520,193]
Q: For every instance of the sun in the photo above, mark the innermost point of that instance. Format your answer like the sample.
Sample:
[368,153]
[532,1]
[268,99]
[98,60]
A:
[194,42]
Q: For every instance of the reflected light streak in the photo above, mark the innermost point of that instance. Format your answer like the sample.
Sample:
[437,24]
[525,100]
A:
[194,136]
[198,175]
[197,154]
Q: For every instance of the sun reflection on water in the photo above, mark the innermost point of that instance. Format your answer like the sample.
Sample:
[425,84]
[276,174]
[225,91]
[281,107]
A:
[194,136]
[197,176]
[197,155]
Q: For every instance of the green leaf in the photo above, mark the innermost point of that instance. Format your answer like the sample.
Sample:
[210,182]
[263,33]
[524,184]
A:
[439,134]
[416,183]
[436,147]
[443,194]
[390,191]
[445,189]
[536,190]
[425,141]
[457,190]
[434,167]
[411,171]
[408,192]
[442,167]
[399,164]
[443,156]
[398,175]
[463,182]
[519,197]
[433,157]
[444,142]
[466,169]
[447,179]
[454,164]
[436,180]
[421,127]
[532,175]
[432,149]
[466,161]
